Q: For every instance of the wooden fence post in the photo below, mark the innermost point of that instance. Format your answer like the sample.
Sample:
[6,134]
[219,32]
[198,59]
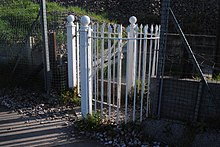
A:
[85,67]
[71,49]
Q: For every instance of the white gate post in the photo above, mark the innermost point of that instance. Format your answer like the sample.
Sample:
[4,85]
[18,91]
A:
[77,56]
[131,51]
[85,67]
[71,49]
[90,70]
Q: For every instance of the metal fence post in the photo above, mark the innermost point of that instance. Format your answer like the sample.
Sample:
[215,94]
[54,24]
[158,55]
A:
[90,70]
[71,49]
[46,61]
[161,59]
[85,67]
[131,53]
[77,56]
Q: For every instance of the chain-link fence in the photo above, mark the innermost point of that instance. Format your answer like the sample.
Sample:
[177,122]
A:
[20,37]
[186,94]
[21,48]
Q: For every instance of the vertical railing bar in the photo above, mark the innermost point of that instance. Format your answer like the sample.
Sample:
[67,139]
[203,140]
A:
[97,55]
[139,66]
[149,72]
[95,66]
[127,77]
[119,71]
[154,53]
[143,70]
[158,46]
[113,87]
[135,70]
[102,67]
[109,70]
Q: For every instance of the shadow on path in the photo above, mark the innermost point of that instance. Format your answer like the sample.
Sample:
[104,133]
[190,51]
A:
[19,130]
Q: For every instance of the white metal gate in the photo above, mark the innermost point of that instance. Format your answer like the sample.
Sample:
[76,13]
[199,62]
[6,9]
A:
[116,66]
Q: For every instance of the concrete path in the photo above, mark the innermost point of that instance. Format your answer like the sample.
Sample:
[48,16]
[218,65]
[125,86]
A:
[18,130]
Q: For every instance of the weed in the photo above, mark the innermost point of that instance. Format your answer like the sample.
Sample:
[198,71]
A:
[70,97]
[89,123]
[216,77]
[196,77]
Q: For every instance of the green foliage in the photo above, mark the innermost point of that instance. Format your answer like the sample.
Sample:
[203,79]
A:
[61,37]
[216,77]
[70,97]
[196,77]
[17,16]
[90,122]
[97,17]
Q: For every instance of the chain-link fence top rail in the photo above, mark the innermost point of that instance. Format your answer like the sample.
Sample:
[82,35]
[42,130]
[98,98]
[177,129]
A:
[21,50]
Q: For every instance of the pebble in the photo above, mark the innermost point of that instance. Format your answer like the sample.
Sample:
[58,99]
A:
[43,113]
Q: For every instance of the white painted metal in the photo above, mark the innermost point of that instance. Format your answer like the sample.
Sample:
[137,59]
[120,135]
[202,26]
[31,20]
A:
[139,57]
[90,71]
[71,50]
[143,70]
[102,67]
[158,46]
[155,52]
[94,58]
[130,55]
[96,71]
[114,47]
[109,69]
[134,72]
[77,56]
[119,63]
[85,20]
[149,71]
[97,57]
[127,77]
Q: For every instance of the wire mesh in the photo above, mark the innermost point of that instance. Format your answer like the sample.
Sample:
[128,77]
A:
[185,96]
[21,49]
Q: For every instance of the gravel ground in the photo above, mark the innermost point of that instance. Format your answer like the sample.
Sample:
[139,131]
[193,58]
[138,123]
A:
[35,107]
[28,119]
[36,111]
[22,130]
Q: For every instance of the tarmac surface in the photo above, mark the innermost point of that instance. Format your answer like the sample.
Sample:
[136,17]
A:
[19,130]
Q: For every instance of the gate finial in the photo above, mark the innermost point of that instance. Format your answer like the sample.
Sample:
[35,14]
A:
[85,20]
[70,19]
[133,20]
